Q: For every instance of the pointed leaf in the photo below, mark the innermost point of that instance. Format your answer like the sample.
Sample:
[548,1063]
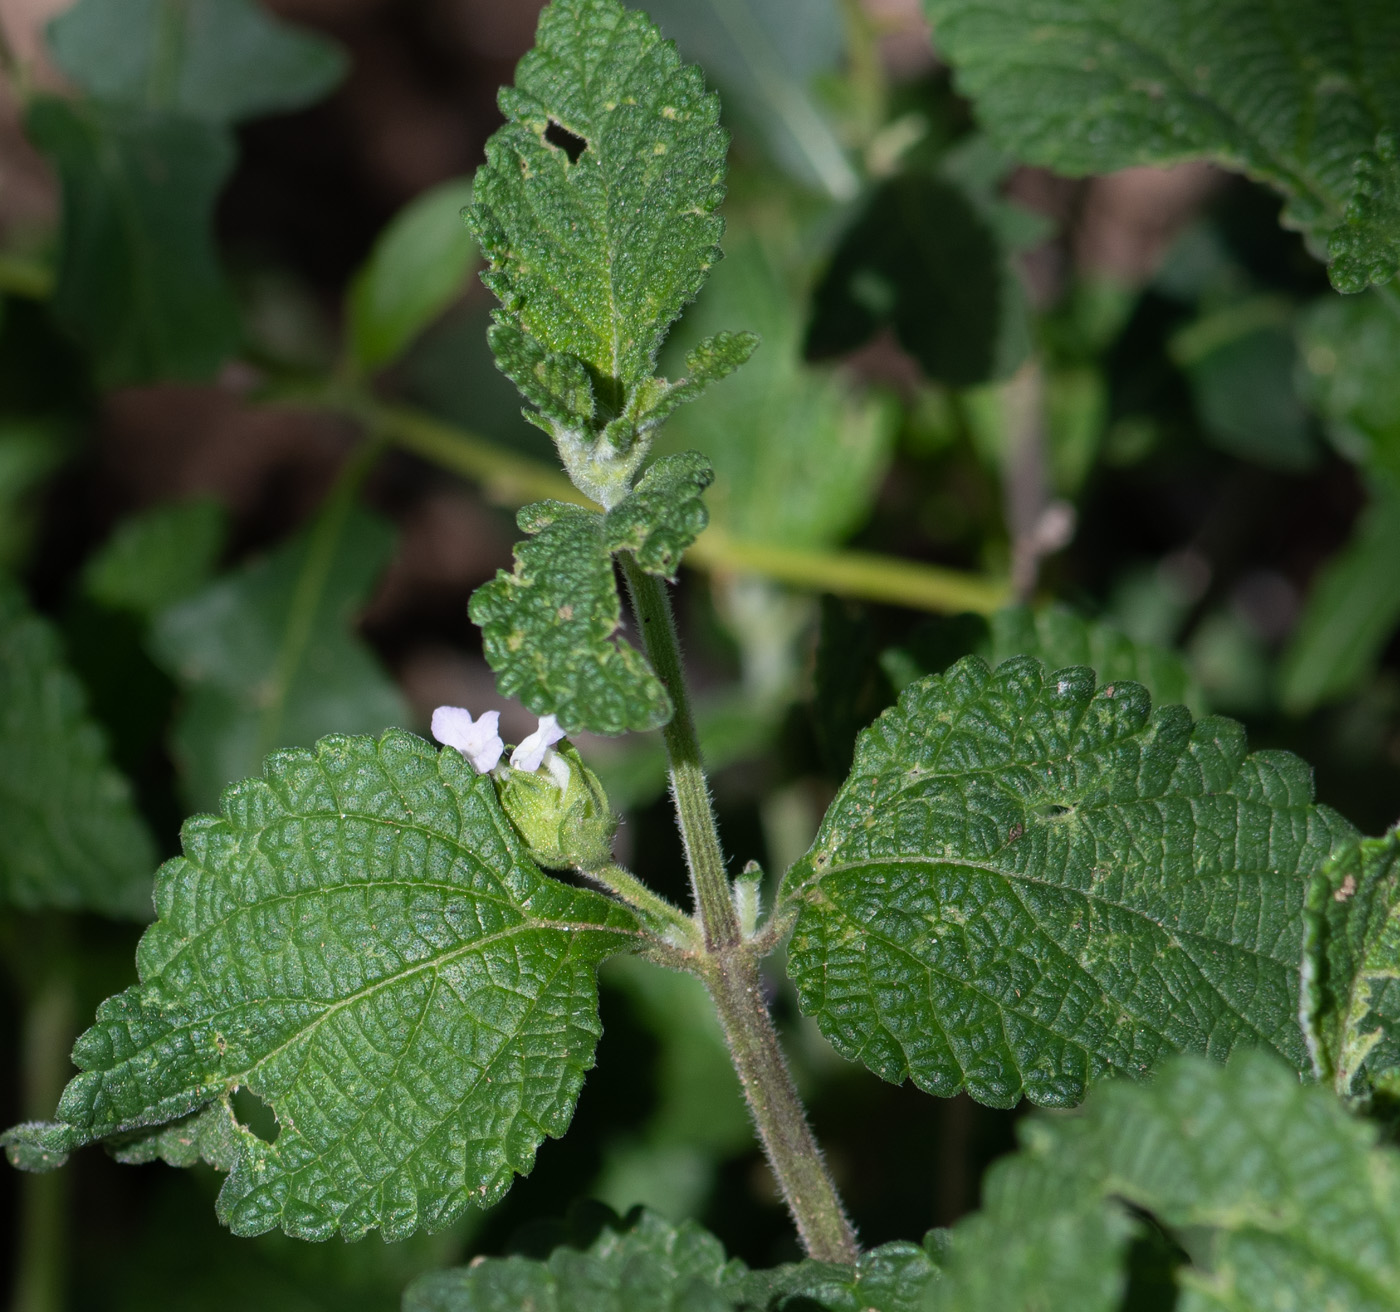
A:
[644,1263]
[663,514]
[139,283]
[157,559]
[73,839]
[594,257]
[1294,94]
[1027,882]
[217,60]
[550,628]
[1282,1199]
[418,267]
[1351,968]
[267,656]
[710,361]
[361,941]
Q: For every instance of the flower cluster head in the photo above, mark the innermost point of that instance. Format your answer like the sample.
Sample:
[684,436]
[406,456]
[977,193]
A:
[554,800]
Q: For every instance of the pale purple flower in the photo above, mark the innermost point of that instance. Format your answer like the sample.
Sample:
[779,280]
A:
[478,740]
[530,755]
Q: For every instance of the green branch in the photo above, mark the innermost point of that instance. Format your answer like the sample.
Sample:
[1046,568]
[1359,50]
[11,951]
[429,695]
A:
[513,480]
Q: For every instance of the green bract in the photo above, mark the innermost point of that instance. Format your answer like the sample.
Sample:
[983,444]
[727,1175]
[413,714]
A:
[550,628]
[361,941]
[1027,882]
[72,836]
[1304,95]
[564,827]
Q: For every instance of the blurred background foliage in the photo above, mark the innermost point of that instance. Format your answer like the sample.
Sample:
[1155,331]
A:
[254,457]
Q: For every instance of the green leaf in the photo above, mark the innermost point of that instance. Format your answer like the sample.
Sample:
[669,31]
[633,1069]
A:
[418,267]
[267,657]
[1058,636]
[139,284]
[550,628]
[1026,883]
[595,257]
[1349,347]
[157,559]
[30,451]
[798,452]
[1292,94]
[1366,248]
[1353,607]
[1351,968]
[1276,1196]
[73,839]
[643,1263]
[664,513]
[920,259]
[216,60]
[361,942]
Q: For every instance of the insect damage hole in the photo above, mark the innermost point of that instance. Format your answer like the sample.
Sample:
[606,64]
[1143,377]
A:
[569,142]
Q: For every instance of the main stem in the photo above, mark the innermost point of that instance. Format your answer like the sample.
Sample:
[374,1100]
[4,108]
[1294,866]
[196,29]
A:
[730,964]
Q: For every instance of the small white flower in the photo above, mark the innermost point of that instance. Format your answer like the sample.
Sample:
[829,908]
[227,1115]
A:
[530,755]
[477,740]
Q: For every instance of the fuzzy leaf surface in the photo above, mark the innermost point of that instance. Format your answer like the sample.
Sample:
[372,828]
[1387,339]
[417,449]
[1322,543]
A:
[550,628]
[1351,968]
[73,837]
[1059,637]
[644,1264]
[217,60]
[1294,94]
[1285,1201]
[267,655]
[595,257]
[1027,882]
[139,283]
[664,513]
[361,941]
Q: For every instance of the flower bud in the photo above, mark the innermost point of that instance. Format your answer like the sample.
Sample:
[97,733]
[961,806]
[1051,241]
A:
[560,810]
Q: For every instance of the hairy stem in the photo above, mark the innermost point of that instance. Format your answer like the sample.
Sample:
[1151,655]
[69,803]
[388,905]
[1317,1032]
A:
[729,963]
[626,885]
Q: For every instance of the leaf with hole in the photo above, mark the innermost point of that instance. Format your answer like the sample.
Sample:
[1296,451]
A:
[360,940]
[1028,882]
[596,208]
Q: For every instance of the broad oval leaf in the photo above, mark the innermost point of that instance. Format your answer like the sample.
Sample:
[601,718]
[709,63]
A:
[361,941]
[1294,93]
[217,60]
[1027,882]
[73,838]
[1272,1196]
[593,254]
